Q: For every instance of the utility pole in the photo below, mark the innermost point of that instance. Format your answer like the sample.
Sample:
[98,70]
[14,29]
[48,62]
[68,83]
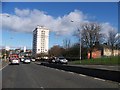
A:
[80,39]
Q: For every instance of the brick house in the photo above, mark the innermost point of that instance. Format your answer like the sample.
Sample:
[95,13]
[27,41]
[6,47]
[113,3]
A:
[105,51]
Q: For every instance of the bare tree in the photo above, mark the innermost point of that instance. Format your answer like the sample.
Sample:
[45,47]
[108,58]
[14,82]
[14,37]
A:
[56,51]
[118,41]
[90,36]
[66,43]
[113,39]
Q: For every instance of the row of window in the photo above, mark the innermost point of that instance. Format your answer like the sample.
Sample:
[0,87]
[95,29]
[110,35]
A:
[41,50]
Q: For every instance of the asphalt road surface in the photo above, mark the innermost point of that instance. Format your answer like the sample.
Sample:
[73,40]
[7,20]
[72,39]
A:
[37,76]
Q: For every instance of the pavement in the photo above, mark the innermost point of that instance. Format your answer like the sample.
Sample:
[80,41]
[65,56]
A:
[38,76]
[104,67]
[3,63]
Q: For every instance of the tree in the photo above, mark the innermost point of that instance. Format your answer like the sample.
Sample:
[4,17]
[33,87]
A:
[5,53]
[113,40]
[90,36]
[118,41]
[72,52]
[66,43]
[56,51]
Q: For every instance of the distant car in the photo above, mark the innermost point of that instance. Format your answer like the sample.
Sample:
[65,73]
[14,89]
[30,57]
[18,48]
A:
[22,59]
[33,60]
[61,60]
[27,60]
[15,61]
[52,60]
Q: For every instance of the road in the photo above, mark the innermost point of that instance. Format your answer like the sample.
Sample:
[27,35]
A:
[37,76]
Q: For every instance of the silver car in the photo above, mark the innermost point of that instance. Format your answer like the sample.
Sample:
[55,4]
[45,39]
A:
[61,60]
[22,59]
[15,61]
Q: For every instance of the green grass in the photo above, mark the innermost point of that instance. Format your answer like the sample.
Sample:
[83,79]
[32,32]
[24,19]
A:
[99,61]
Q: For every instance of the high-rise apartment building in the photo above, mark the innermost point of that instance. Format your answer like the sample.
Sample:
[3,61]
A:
[40,40]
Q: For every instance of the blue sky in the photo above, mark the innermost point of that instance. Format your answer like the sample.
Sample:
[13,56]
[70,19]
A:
[106,13]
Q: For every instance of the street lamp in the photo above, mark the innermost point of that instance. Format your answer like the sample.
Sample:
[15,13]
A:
[80,40]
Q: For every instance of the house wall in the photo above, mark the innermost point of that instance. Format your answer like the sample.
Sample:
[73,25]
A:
[95,54]
[108,52]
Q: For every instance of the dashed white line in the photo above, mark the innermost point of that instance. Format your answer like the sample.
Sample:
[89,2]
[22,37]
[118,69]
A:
[62,70]
[82,75]
[71,72]
[78,74]
[57,69]
[42,88]
[3,67]
[99,79]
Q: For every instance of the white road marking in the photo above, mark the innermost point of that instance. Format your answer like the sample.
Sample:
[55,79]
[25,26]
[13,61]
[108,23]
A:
[77,73]
[99,79]
[3,67]
[62,70]
[57,69]
[82,75]
[71,72]
[42,88]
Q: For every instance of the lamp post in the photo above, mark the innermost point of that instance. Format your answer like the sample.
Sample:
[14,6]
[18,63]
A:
[80,40]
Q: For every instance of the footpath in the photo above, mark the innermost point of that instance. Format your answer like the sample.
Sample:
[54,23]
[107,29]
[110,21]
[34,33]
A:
[103,67]
[3,63]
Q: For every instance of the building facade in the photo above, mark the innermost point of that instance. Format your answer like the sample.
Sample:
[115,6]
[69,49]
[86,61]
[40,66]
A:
[108,52]
[104,52]
[40,40]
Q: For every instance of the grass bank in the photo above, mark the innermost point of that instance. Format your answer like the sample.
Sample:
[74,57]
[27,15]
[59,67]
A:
[99,61]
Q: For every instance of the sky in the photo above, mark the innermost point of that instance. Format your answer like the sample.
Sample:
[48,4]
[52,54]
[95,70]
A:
[19,19]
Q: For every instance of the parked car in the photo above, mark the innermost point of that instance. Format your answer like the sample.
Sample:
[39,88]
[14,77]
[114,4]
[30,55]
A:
[27,60]
[15,61]
[51,59]
[61,60]
[33,59]
[22,59]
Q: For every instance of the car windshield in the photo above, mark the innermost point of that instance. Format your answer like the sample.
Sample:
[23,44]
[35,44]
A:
[61,58]
[27,58]
[14,58]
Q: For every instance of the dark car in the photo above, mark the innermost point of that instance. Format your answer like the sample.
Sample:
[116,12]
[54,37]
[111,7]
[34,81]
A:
[27,60]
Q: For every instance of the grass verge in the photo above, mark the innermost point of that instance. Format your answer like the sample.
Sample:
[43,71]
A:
[99,61]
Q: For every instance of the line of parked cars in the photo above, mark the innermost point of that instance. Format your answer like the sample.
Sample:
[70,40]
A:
[24,60]
[14,59]
[27,60]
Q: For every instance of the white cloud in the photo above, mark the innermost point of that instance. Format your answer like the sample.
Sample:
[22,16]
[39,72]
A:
[26,20]
[24,12]
[106,27]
